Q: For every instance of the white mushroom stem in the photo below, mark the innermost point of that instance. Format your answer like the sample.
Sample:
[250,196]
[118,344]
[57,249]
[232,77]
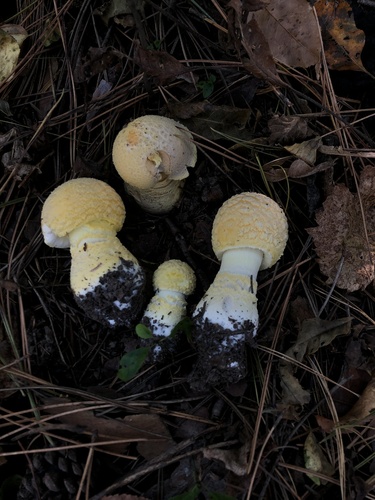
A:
[164,311]
[95,250]
[231,300]
[159,199]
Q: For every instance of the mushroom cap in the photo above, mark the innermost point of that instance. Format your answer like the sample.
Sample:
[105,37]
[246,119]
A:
[174,275]
[251,220]
[152,148]
[78,202]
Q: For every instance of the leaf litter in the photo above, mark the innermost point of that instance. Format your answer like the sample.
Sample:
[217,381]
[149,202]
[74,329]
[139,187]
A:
[77,85]
[344,238]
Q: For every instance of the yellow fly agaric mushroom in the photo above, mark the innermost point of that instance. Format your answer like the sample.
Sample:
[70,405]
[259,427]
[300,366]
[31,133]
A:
[249,234]
[152,154]
[84,215]
[173,281]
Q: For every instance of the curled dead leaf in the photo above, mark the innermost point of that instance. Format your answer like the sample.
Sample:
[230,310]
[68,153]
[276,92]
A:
[234,460]
[161,66]
[315,459]
[306,150]
[345,240]
[288,129]
[149,430]
[11,39]
[314,334]
[362,411]
[343,41]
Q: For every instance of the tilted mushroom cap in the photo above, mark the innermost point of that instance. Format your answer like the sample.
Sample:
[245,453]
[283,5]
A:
[152,148]
[84,215]
[251,220]
[78,202]
[174,275]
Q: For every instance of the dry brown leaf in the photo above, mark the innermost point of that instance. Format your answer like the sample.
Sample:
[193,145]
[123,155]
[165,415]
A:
[288,129]
[354,376]
[11,39]
[343,41]
[326,424]
[299,168]
[306,150]
[96,61]
[363,408]
[362,411]
[245,33]
[314,334]
[7,137]
[115,8]
[251,5]
[123,496]
[148,429]
[213,121]
[291,31]
[234,460]
[161,66]
[315,460]
[345,253]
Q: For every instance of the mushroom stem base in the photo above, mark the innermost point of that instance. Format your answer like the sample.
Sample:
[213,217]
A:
[222,356]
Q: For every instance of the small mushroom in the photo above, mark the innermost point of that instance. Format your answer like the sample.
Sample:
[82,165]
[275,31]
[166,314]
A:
[152,154]
[249,234]
[173,281]
[107,281]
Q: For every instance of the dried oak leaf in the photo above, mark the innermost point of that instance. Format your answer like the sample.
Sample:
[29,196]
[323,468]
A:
[291,31]
[314,333]
[343,41]
[288,129]
[362,411]
[245,34]
[344,238]
[161,66]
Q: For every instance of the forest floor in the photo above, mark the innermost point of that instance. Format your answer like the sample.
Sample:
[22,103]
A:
[271,110]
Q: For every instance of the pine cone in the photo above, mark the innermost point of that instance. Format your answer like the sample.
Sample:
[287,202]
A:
[53,475]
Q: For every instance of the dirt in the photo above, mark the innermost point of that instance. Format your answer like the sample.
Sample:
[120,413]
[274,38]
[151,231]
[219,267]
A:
[222,354]
[118,298]
[78,83]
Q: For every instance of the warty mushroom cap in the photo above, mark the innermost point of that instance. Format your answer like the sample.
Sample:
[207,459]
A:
[152,148]
[107,281]
[251,220]
[76,203]
[174,275]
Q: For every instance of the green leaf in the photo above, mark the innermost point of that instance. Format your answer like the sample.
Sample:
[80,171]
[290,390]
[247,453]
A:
[185,326]
[143,332]
[10,486]
[220,496]
[131,363]
[189,495]
[207,86]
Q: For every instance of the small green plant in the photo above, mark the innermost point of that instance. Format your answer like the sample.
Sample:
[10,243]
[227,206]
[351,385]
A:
[189,495]
[155,45]
[131,363]
[207,86]
[184,326]
[143,332]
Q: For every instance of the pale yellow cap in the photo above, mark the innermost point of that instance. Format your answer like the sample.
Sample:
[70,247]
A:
[251,220]
[174,275]
[151,149]
[78,202]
